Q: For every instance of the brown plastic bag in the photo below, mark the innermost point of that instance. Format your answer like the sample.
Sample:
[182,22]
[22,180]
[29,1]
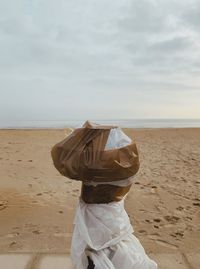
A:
[82,156]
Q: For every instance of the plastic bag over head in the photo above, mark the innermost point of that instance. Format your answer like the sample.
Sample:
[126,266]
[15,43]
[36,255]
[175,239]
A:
[95,152]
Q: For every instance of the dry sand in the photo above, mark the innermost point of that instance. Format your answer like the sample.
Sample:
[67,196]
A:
[37,204]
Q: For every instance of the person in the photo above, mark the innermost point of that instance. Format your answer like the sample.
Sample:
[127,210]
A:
[106,160]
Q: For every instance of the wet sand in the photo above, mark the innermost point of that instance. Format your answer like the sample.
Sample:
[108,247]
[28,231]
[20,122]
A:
[37,204]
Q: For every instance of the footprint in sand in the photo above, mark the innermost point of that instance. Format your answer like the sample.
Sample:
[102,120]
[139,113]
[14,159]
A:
[179,234]
[12,234]
[30,160]
[142,232]
[3,204]
[39,194]
[188,218]
[19,160]
[196,204]
[154,189]
[171,219]
[36,232]
[13,244]
[76,190]
[180,208]
[157,220]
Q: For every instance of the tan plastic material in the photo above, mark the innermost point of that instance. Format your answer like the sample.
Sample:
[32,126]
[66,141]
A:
[104,193]
[82,156]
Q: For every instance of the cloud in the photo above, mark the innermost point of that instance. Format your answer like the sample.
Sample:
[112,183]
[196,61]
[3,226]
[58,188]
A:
[69,55]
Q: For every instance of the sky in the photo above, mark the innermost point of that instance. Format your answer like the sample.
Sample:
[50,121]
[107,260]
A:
[66,60]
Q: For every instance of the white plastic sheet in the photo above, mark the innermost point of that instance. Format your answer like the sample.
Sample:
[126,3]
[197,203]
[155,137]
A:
[117,139]
[104,232]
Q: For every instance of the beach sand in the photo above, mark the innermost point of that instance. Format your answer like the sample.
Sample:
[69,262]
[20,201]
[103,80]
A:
[37,204]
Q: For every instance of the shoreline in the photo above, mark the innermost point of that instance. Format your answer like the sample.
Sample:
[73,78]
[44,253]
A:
[64,128]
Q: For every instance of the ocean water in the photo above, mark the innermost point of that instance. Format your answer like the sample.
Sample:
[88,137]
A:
[124,123]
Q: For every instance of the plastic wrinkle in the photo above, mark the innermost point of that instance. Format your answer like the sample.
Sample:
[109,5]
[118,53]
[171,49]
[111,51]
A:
[104,233]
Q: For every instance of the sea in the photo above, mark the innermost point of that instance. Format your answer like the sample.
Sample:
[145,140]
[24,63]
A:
[123,123]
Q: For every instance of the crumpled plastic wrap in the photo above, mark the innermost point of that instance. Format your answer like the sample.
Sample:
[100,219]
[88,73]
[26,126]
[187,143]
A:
[103,232]
[96,153]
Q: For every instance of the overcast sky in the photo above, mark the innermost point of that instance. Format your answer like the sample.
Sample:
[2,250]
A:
[88,59]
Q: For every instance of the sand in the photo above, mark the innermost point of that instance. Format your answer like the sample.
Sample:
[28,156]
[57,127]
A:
[37,204]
